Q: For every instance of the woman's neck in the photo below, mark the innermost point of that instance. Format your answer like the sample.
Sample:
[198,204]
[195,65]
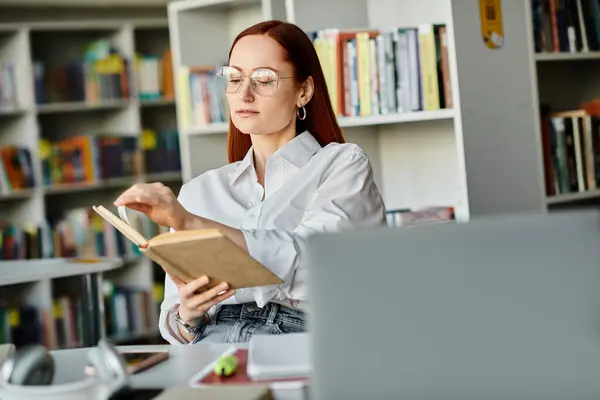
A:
[264,146]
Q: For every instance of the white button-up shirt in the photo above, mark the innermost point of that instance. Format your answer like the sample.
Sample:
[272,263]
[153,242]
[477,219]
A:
[307,189]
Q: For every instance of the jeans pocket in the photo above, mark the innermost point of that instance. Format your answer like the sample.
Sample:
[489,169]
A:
[290,323]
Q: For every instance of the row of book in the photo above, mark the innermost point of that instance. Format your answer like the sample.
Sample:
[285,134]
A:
[384,72]
[129,312]
[571,152]
[16,171]
[566,26]
[78,232]
[98,157]
[367,73]
[8,86]
[406,217]
[104,73]
[154,76]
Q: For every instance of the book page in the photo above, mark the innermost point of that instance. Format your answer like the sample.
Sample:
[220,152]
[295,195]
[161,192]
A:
[123,227]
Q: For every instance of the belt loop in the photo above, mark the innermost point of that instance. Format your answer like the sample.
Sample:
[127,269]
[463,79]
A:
[272,313]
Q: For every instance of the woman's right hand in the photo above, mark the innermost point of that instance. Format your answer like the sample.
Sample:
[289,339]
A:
[195,299]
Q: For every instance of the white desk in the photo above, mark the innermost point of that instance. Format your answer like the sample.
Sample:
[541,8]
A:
[183,363]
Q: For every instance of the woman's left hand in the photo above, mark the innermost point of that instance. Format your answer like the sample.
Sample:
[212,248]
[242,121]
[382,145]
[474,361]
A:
[158,202]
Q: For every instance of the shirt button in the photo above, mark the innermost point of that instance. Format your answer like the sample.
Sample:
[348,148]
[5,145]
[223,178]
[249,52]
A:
[240,291]
[251,204]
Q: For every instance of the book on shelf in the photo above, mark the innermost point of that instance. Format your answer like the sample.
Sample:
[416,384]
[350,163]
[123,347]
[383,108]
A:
[566,26]
[368,73]
[95,158]
[103,73]
[190,254]
[571,151]
[16,169]
[154,76]
[373,72]
[405,217]
[8,86]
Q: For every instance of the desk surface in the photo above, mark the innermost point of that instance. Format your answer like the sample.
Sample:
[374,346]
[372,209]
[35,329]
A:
[183,363]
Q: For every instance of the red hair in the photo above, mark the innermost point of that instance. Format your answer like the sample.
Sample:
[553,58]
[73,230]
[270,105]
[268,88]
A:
[320,119]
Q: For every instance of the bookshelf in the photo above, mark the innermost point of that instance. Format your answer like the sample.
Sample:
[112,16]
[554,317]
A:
[74,91]
[566,79]
[463,156]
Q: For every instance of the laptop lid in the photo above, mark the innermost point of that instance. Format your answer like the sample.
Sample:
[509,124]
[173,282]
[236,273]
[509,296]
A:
[500,307]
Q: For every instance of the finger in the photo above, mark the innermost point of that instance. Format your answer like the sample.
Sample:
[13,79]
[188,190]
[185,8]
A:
[144,208]
[139,193]
[191,288]
[206,296]
[206,306]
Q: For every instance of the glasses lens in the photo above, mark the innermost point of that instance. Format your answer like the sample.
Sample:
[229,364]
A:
[230,79]
[264,81]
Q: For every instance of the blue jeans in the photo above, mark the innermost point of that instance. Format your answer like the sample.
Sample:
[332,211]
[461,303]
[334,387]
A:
[237,323]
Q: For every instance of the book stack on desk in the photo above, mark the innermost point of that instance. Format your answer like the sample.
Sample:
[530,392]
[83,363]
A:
[279,361]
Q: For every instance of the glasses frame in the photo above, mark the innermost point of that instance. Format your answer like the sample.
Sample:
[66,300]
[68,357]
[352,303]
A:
[221,75]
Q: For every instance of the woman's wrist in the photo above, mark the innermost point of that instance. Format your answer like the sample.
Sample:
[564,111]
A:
[191,222]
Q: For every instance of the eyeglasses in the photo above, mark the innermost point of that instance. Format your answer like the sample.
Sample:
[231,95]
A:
[264,81]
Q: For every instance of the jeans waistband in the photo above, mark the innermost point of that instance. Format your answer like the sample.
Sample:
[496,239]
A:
[269,314]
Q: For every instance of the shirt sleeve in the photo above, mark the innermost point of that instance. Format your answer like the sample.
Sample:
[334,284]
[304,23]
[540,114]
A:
[167,325]
[166,321]
[347,198]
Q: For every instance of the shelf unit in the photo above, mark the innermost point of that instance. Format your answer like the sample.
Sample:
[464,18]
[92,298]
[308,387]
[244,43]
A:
[28,122]
[565,78]
[463,157]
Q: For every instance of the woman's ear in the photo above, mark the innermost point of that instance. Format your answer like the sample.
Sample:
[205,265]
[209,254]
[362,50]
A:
[306,92]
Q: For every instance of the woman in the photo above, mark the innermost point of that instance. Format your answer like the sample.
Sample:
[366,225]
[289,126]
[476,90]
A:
[290,175]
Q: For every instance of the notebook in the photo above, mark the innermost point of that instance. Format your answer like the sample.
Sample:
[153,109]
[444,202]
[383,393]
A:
[279,356]
[191,254]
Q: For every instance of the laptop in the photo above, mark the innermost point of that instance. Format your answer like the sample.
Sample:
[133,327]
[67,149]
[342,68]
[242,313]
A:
[505,307]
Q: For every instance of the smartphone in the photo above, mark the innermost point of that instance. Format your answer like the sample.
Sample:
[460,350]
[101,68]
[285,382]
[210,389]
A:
[137,360]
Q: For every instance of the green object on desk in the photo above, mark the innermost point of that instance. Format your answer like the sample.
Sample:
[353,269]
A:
[226,365]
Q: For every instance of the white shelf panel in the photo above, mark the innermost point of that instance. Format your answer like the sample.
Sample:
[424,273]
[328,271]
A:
[184,5]
[418,116]
[347,122]
[11,111]
[592,55]
[162,177]
[84,187]
[572,197]
[23,271]
[18,195]
[67,107]
[157,103]
[207,130]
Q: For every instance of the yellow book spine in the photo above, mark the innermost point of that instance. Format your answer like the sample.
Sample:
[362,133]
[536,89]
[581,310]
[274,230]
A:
[364,73]
[429,78]
[184,96]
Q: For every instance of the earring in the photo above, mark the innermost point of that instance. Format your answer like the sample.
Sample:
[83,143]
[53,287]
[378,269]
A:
[303,117]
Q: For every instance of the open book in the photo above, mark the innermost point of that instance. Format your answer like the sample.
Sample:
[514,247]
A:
[190,254]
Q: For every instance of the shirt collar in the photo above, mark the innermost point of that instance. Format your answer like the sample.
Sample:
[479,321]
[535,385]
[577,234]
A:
[296,152]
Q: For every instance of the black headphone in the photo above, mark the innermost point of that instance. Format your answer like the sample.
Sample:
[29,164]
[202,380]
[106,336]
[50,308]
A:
[34,365]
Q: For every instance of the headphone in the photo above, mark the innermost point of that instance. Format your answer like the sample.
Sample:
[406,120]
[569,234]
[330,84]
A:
[34,365]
